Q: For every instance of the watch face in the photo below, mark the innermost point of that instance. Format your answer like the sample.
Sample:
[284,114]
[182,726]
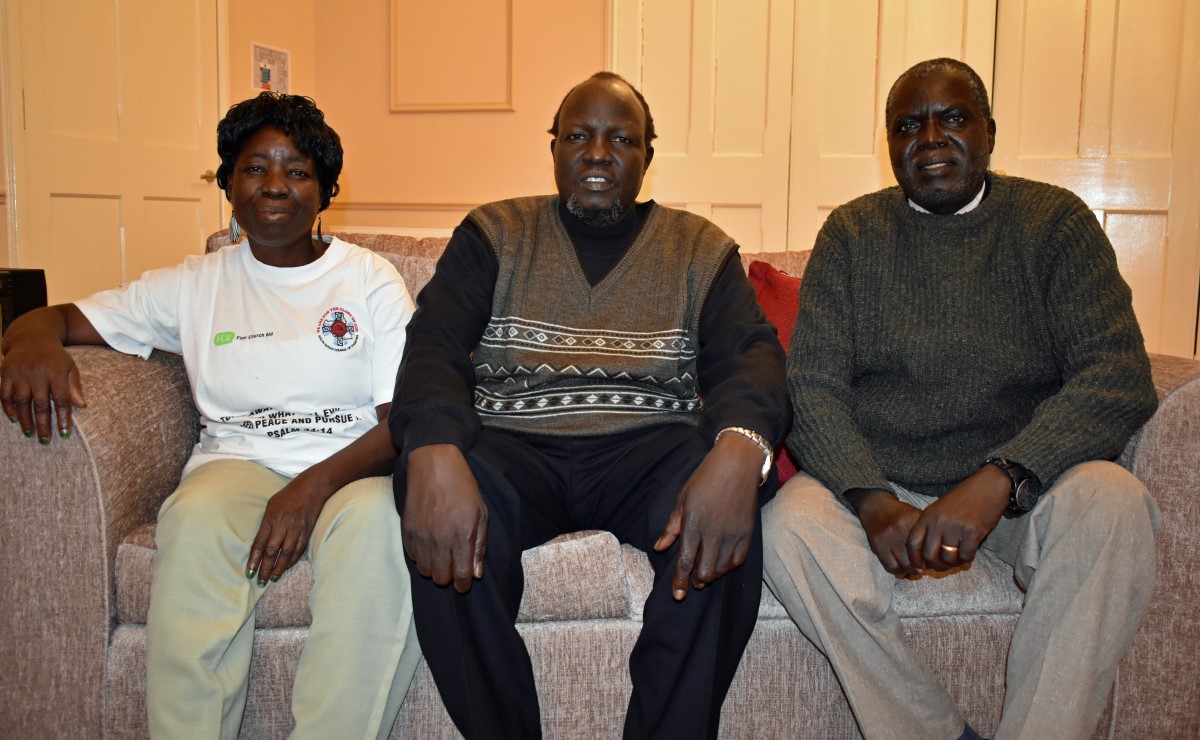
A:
[1025,497]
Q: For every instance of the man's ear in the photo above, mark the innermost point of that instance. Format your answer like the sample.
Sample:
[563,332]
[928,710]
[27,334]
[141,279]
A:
[552,145]
[649,156]
[991,134]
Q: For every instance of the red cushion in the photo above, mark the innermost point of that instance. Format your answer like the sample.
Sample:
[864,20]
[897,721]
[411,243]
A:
[779,295]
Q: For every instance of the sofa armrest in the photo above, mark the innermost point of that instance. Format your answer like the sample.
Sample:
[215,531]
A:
[1165,455]
[67,505]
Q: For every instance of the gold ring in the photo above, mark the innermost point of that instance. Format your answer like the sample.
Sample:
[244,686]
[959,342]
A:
[949,548]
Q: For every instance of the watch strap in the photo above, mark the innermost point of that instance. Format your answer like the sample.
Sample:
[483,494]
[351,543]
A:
[757,439]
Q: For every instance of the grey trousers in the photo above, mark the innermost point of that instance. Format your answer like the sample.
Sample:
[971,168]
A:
[362,649]
[1084,556]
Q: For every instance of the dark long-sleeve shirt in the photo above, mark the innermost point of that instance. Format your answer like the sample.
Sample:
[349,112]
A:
[740,362]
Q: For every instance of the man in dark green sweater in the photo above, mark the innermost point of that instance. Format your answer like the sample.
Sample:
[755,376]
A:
[965,363]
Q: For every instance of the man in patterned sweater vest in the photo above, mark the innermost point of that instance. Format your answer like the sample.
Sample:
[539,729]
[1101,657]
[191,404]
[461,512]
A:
[965,364]
[582,361]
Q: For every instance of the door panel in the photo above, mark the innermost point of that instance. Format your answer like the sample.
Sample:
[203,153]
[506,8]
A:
[1095,95]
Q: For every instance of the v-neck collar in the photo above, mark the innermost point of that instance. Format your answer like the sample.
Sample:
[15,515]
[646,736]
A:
[627,235]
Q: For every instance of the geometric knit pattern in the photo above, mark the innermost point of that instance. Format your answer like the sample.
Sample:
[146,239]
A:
[672,344]
[620,393]
[564,357]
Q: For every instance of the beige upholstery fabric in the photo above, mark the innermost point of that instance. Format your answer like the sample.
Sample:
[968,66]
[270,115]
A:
[72,604]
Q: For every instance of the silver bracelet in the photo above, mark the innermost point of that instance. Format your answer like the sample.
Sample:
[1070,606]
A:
[757,439]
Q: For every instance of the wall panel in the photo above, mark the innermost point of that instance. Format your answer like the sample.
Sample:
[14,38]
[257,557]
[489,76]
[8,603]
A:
[478,35]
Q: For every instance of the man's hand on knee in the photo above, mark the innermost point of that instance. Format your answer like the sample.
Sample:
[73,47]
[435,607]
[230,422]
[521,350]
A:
[714,515]
[950,530]
[444,522]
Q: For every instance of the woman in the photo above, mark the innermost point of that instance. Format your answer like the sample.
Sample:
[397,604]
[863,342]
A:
[291,345]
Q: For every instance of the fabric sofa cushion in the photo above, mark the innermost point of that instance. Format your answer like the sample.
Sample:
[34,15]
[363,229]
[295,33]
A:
[582,575]
[779,295]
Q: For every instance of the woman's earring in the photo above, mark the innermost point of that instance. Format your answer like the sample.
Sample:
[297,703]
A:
[235,231]
[320,236]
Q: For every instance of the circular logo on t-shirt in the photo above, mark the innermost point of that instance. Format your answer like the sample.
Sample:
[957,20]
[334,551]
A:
[338,330]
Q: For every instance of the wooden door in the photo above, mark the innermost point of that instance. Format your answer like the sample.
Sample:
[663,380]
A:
[717,75]
[113,124]
[1100,96]
[847,55]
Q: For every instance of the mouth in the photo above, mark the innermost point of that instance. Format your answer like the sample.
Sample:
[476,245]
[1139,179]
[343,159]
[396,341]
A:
[273,213]
[934,167]
[596,182]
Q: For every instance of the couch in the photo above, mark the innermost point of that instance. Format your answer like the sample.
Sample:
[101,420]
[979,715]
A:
[78,539]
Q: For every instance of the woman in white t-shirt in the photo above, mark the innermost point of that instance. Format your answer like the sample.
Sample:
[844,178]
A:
[291,343]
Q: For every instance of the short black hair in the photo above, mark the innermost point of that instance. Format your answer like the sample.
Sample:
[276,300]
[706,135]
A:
[979,94]
[649,135]
[295,115]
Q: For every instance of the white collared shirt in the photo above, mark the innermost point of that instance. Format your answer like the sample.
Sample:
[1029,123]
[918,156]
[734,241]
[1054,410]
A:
[965,209]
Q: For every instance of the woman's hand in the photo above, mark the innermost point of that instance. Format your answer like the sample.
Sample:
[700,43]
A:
[291,514]
[38,373]
[286,527]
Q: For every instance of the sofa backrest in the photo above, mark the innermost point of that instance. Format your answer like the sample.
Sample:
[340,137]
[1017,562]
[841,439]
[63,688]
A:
[416,258]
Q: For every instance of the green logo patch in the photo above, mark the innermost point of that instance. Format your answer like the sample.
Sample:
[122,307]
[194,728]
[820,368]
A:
[223,337]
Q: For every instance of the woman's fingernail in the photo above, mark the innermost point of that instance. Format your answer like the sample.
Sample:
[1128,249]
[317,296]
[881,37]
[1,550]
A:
[44,440]
[64,432]
[262,581]
[28,432]
[274,578]
[13,419]
[249,572]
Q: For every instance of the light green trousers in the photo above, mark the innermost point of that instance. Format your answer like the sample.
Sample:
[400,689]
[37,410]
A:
[361,651]
[1085,557]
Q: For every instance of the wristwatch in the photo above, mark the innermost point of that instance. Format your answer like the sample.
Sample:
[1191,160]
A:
[757,439]
[1026,488]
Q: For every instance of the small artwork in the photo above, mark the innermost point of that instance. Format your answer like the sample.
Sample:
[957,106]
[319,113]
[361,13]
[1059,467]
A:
[269,68]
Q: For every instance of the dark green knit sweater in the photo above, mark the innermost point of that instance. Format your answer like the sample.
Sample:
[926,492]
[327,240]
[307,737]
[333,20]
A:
[927,344]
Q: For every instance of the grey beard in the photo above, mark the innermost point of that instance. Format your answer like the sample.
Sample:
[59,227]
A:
[601,217]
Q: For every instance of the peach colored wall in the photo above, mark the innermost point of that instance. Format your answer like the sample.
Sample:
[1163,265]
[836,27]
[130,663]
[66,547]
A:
[426,169]
[280,25]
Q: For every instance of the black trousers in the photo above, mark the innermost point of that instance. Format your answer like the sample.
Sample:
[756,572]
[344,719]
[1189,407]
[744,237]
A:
[539,487]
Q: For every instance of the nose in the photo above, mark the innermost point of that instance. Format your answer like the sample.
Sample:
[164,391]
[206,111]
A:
[597,151]
[274,184]
[932,136]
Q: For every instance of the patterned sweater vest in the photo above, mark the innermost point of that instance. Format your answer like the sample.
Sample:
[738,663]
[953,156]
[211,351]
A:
[563,357]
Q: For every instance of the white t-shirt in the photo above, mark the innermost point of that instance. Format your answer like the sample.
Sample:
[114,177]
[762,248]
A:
[286,365]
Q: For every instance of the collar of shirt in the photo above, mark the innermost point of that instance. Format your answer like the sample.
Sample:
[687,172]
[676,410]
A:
[968,207]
